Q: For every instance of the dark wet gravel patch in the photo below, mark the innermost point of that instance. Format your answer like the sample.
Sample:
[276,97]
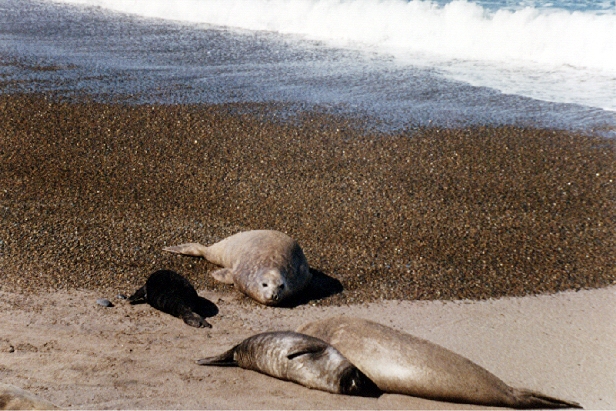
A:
[90,194]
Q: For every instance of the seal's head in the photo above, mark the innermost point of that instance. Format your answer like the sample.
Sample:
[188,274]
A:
[272,286]
[355,382]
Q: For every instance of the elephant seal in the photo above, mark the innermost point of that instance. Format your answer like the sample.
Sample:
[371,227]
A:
[267,265]
[15,398]
[299,358]
[173,294]
[404,364]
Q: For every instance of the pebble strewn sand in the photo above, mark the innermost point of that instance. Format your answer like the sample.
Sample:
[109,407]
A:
[90,193]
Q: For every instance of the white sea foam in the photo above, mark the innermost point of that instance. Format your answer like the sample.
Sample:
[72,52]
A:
[547,53]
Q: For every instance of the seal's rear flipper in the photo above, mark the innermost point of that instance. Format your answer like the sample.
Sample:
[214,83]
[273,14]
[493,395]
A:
[533,399]
[192,249]
[139,297]
[223,360]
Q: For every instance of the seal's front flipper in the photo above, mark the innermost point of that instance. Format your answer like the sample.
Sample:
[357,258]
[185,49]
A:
[315,349]
[195,320]
[138,297]
[223,360]
[192,249]
[224,275]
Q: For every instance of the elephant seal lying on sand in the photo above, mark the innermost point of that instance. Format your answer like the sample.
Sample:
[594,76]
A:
[267,265]
[401,363]
[299,358]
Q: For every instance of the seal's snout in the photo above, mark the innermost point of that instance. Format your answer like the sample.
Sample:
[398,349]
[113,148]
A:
[355,382]
[277,294]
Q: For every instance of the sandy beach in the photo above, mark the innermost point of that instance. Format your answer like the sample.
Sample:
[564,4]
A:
[65,348]
[495,242]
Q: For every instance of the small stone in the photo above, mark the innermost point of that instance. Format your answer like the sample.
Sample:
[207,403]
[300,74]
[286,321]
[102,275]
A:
[104,302]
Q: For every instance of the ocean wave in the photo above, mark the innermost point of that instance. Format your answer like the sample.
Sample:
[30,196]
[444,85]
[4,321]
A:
[456,30]
[547,53]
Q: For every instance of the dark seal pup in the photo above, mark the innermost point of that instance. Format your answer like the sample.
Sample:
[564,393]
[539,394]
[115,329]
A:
[299,358]
[173,294]
[404,364]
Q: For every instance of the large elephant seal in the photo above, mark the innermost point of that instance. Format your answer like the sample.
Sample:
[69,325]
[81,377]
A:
[173,294]
[267,265]
[15,398]
[299,358]
[401,363]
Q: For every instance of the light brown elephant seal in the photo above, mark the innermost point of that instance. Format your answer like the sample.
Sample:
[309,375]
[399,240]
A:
[15,398]
[401,363]
[299,358]
[267,265]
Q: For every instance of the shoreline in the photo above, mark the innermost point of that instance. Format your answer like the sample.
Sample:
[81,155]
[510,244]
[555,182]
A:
[92,192]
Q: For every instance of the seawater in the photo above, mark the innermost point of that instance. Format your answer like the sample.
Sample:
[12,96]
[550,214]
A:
[549,64]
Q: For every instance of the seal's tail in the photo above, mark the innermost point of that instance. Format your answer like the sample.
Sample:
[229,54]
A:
[532,399]
[192,249]
[226,359]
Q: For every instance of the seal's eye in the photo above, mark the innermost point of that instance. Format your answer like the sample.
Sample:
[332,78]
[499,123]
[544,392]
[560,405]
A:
[264,285]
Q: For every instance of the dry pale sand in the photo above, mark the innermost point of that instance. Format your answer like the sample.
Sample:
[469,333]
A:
[65,348]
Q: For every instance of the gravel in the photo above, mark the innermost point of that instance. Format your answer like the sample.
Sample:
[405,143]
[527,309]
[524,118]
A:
[90,194]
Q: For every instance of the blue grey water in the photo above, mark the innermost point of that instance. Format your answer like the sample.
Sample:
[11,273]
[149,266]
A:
[75,52]
[600,6]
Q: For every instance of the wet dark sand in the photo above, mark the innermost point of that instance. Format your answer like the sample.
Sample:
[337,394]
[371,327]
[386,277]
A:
[90,193]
